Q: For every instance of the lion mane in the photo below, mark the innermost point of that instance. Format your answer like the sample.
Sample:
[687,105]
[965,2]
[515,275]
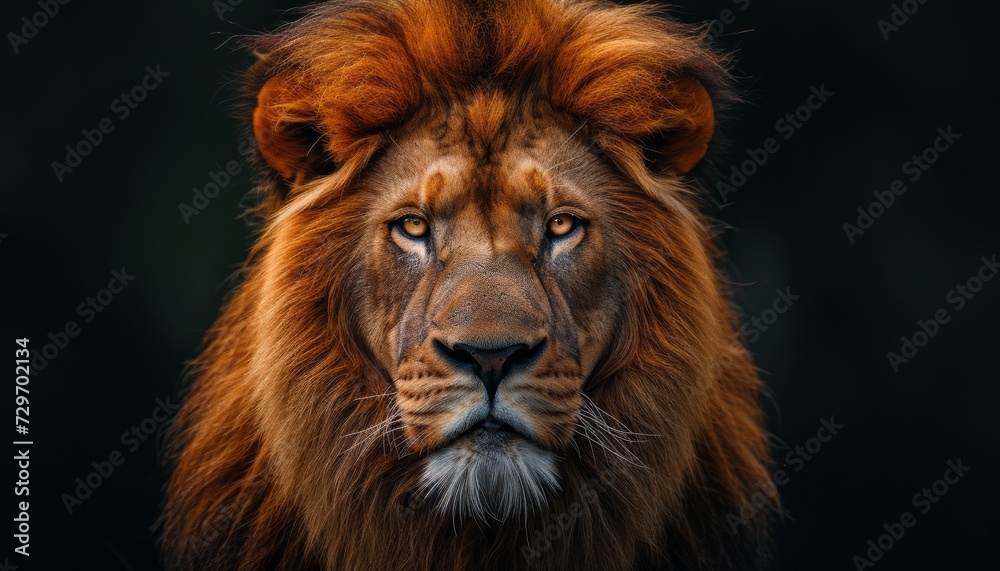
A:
[289,452]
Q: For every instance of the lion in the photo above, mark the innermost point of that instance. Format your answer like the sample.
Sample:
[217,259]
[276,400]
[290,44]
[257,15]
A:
[484,324]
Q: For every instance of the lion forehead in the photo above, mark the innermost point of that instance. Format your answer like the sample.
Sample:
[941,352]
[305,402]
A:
[442,176]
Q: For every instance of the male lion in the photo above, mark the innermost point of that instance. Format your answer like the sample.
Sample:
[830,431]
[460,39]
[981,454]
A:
[483,325]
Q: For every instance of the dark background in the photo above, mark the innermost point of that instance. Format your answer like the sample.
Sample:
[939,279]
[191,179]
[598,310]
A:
[826,356]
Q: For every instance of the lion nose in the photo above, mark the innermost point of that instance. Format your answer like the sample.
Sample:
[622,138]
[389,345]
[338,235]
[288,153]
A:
[490,365]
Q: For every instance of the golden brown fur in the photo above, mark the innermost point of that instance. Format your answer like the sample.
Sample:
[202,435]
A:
[334,377]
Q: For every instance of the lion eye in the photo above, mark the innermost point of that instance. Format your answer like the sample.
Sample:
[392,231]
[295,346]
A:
[561,225]
[413,226]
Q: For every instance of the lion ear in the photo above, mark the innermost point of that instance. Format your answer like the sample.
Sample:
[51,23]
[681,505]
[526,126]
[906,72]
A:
[286,126]
[682,132]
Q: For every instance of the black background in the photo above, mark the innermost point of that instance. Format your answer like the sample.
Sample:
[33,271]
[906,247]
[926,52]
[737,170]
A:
[826,356]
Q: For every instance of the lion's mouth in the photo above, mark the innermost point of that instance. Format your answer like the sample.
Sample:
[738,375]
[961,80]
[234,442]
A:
[491,433]
[492,424]
[489,436]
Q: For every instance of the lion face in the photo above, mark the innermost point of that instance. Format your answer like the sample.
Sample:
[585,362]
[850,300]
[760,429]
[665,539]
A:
[489,297]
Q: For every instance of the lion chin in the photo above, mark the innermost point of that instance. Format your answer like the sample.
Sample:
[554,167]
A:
[490,473]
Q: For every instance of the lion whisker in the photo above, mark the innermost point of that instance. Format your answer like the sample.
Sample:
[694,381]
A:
[551,168]
[624,436]
[387,393]
[591,408]
[596,430]
[623,455]
[373,428]
[566,140]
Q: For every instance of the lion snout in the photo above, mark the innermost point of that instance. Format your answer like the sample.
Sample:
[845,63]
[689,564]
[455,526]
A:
[490,365]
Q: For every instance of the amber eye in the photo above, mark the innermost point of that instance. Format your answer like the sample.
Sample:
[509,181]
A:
[561,225]
[413,226]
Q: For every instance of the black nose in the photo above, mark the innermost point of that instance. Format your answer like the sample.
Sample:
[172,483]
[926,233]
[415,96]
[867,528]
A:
[490,365]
